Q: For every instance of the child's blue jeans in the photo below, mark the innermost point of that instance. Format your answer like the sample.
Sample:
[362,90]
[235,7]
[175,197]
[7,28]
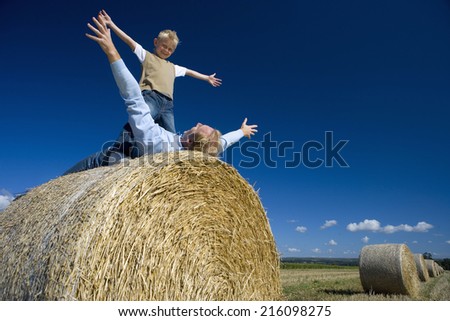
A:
[161,109]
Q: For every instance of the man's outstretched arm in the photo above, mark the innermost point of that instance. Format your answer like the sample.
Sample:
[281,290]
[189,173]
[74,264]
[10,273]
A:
[145,130]
[230,138]
[128,86]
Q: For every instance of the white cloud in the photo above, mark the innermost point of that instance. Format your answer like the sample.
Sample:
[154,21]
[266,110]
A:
[422,227]
[328,224]
[316,250]
[415,242]
[375,226]
[292,221]
[5,199]
[389,229]
[365,239]
[332,243]
[293,250]
[301,229]
[367,225]
[448,242]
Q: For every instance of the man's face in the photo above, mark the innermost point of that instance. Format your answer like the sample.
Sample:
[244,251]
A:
[205,130]
[164,48]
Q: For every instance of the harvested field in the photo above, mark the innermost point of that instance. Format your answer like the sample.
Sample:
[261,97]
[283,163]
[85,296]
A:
[344,285]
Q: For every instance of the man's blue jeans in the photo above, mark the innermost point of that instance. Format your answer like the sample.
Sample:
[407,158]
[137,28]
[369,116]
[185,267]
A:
[104,158]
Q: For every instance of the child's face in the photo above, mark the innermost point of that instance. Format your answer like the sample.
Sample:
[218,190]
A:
[164,48]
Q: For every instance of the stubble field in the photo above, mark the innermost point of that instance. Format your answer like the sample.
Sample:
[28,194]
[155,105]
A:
[343,284]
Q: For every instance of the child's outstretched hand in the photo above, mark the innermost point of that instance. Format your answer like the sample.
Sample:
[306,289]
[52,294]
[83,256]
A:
[213,81]
[248,130]
[105,17]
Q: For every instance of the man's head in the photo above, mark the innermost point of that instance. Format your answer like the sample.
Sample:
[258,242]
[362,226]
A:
[202,138]
[166,43]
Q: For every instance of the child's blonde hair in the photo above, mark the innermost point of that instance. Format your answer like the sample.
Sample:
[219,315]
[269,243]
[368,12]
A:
[169,34]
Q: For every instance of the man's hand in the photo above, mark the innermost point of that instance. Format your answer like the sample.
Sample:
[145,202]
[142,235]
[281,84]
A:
[248,130]
[213,81]
[103,38]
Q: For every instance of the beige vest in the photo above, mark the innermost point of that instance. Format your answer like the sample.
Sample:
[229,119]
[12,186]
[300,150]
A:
[157,74]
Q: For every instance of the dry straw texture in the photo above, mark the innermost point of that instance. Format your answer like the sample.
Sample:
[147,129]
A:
[437,268]
[389,269]
[176,227]
[421,267]
[431,268]
[440,269]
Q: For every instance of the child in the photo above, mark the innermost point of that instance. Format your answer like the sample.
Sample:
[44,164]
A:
[158,74]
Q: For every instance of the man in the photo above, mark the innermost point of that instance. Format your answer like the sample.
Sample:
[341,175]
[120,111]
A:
[144,136]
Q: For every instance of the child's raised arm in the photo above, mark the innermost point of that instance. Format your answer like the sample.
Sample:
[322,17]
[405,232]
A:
[211,79]
[119,32]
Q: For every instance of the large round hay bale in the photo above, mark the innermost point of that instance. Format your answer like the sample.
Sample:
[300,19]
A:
[421,266]
[388,269]
[431,268]
[172,227]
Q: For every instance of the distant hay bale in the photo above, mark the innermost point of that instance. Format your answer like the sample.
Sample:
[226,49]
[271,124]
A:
[437,267]
[176,227]
[431,268]
[421,266]
[388,269]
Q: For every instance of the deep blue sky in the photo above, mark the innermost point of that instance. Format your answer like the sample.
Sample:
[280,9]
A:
[374,73]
